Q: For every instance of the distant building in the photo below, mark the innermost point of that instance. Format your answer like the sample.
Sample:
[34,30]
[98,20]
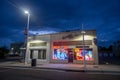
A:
[15,48]
[63,47]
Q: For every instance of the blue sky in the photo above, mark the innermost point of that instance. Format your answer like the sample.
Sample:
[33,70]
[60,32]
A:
[49,16]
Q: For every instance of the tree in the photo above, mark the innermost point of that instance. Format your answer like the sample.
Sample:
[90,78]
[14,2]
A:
[3,52]
[116,48]
[102,50]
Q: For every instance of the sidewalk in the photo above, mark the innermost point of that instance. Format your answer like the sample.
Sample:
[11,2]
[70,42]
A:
[67,67]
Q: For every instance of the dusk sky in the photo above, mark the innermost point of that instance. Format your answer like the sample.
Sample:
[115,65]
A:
[50,16]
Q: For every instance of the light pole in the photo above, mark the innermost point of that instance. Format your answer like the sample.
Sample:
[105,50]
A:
[27,35]
[83,33]
[12,51]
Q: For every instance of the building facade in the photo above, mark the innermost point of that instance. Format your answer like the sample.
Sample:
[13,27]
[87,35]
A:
[63,47]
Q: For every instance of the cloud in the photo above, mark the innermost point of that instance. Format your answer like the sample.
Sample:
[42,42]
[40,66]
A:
[60,15]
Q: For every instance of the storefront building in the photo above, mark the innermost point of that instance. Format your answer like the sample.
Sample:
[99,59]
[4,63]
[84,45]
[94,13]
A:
[63,47]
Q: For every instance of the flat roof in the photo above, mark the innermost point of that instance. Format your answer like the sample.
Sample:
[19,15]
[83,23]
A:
[67,31]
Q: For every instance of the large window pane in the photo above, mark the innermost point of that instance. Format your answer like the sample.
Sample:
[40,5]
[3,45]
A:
[60,53]
[42,54]
[31,54]
[39,54]
[63,53]
[79,55]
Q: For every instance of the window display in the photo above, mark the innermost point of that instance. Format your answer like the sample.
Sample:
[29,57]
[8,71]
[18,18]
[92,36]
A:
[62,53]
[79,54]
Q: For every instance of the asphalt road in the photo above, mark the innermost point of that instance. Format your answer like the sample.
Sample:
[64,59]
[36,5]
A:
[47,74]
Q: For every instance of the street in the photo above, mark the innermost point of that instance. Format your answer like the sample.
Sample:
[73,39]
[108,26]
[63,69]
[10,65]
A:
[47,74]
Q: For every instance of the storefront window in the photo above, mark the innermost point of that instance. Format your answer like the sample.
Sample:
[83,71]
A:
[79,55]
[63,53]
[60,54]
[42,54]
[31,54]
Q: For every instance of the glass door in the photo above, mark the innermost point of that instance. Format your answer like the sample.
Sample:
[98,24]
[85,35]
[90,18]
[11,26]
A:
[70,57]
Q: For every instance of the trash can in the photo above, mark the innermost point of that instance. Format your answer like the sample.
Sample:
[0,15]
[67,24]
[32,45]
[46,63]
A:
[33,62]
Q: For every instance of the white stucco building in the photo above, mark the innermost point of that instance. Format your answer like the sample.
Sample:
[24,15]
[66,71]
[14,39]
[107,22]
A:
[63,47]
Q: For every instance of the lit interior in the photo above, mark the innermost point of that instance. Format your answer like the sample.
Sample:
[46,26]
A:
[63,53]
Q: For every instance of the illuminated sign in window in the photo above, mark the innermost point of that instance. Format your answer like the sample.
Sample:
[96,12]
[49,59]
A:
[62,53]
[79,54]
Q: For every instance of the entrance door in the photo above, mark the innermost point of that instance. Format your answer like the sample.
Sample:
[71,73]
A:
[70,57]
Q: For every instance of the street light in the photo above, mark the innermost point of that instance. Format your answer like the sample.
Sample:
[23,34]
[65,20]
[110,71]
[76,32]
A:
[27,34]
[26,12]
[83,33]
